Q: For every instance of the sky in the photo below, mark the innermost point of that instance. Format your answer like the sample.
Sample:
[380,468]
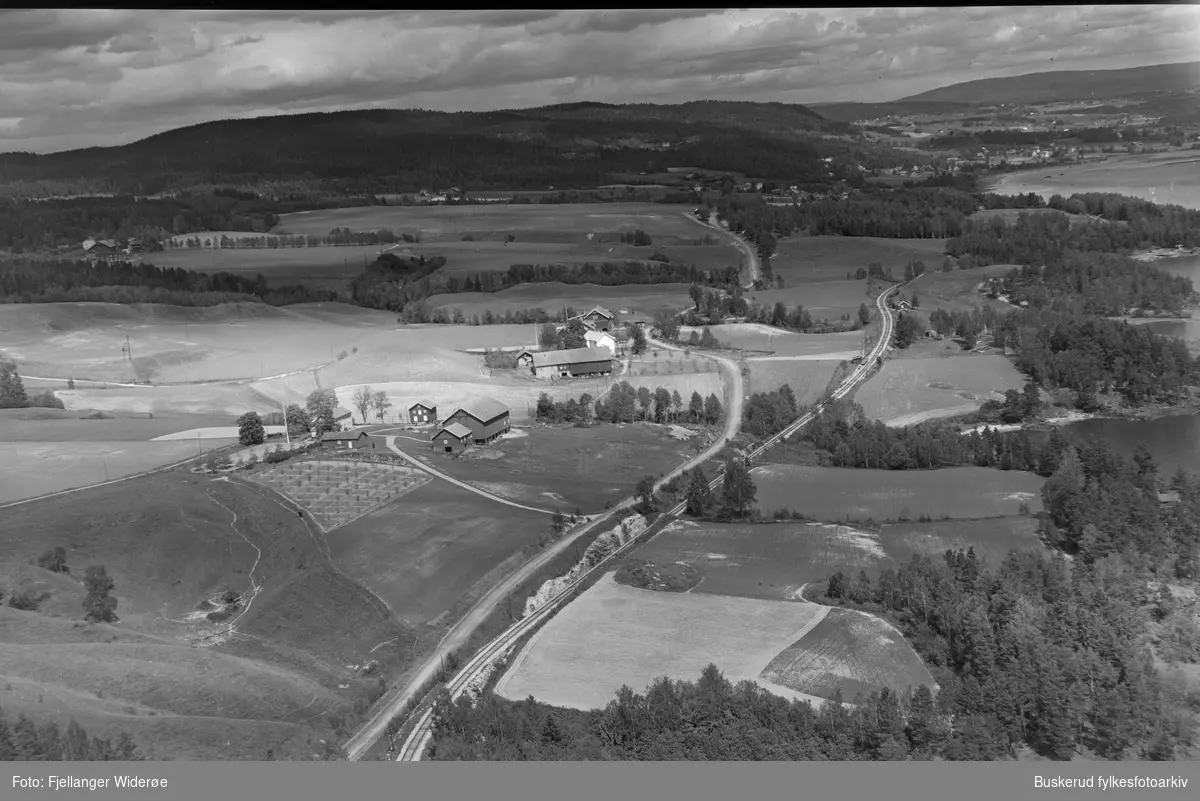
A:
[82,78]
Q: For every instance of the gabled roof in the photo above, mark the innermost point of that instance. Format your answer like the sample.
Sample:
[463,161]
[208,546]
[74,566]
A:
[457,430]
[603,311]
[484,409]
[591,335]
[428,406]
[572,356]
[343,436]
[341,412]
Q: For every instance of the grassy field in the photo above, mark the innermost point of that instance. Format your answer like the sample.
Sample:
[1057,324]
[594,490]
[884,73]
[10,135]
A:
[565,467]
[808,378]
[834,493]
[851,652]
[774,341]
[908,391]
[824,300]
[991,539]
[331,268]
[957,290]
[642,301]
[64,425]
[804,259]
[613,635]
[334,492]
[665,361]
[433,550]
[184,542]
[1158,177]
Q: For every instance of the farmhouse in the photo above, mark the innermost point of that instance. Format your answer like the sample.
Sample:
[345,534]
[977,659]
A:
[601,339]
[105,249]
[598,319]
[485,418]
[525,358]
[452,438]
[421,414]
[343,420]
[572,363]
[356,439]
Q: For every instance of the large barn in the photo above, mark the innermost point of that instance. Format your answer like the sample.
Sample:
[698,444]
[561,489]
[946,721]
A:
[486,418]
[572,363]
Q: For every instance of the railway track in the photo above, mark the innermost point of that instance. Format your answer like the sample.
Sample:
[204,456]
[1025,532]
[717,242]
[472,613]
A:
[418,739]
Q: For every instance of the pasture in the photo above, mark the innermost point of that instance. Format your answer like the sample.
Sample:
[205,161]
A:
[992,539]
[957,290]
[765,340]
[563,467]
[641,301]
[804,259]
[835,493]
[824,300]
[849,652]
[330,268]
[336,492]
[909,391]
[808,378]
[64,425]
[613,635]
[433,550]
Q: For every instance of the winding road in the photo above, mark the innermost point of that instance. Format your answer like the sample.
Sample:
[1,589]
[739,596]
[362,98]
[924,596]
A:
[753,268]
[395,700]
[418,738]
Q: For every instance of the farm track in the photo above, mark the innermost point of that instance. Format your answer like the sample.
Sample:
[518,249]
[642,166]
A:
[391,443]
[418,739]
[458,636]
[752,266]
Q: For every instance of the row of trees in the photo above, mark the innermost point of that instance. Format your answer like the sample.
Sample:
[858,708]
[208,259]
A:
[25,742]
[337,237]
[625,404]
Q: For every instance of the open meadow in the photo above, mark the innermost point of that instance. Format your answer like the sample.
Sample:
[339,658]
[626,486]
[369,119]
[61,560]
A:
[957,290]
[641,301]
[850,652]
[909,391]
[176,650]
[992,539]
[326,268]
[613,635]
[805,259]
[562,467]
[808,378]
[837,493]
[767,341]
[434,549]
[1158,177]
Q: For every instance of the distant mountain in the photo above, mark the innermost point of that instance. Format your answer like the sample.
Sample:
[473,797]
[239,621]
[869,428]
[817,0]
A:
[1066,85]
[401,150]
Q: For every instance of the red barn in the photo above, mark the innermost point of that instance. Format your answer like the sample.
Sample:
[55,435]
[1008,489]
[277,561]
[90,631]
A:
[486,419]
[452,438]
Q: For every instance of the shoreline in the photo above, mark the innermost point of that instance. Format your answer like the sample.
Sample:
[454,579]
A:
[1154,411]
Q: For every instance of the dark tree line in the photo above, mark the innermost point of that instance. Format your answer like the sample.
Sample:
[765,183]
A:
[25,742]
[13,394]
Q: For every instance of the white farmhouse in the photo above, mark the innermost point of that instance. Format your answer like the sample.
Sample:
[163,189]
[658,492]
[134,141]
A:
[601,339]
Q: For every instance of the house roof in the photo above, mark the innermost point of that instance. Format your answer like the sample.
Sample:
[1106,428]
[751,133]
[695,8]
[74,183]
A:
[428,406]
[457,430]
[602,311]
[591,335]
[343,436]
[483,409]
[571,356]
[340,412]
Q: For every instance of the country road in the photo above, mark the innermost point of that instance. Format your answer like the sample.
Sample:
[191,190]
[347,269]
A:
[753,268]
[395,700]
[418,739]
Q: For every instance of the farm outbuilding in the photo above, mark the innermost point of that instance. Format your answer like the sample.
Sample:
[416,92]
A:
[356,439]
[343,419]
[421,414]
[525,358]
[485,418]
[572,363]
[598,319]
[452,438]
[601,339]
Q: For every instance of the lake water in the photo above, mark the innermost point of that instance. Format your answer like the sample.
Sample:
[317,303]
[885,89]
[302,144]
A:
[1174,441]
[1160,178]
[1187,330]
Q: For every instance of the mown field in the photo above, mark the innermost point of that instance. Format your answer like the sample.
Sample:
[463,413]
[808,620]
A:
[835,494]
[992,539]
[435,549]
[804,259]
[957,290]
[186,541]
[908,391]
[565,467]
[330,268]
[641,301]
[849,652]
[613,635]
[774,341]
[824,300]
[808,378]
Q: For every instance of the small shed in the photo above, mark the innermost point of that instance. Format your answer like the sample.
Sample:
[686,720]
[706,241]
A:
[452,438]
[355,439]
[422,414]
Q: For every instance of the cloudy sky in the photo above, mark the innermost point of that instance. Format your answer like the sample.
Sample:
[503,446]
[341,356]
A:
[91,77]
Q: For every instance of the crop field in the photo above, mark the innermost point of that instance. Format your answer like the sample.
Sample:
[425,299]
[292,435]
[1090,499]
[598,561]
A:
[851,652]
[774,341]
[804,259]
[186,541]
[336,492]
[528,222]
[565,467]
[957,290]
[909,391]
[824,300]
[64,425]
[643,301]
[835,493]
[808,378]
[613,635]
[666,361]
[29,469]
[992,539]
[1159,178]
[434,550]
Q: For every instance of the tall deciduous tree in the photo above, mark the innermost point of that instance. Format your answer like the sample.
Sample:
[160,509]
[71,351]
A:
[380,403]
[297,420]
[363,399]
[250,429]
[321,404]
[99,605]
